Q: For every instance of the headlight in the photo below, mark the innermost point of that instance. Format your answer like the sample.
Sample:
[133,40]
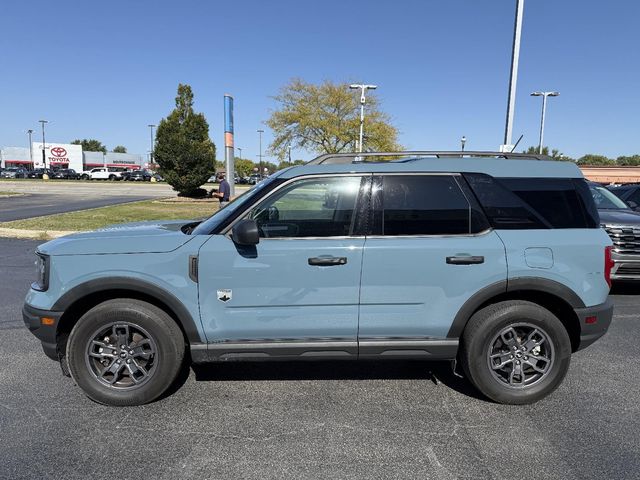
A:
[42,273]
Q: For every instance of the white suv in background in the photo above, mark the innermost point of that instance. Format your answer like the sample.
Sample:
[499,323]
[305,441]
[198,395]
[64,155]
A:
[101,173]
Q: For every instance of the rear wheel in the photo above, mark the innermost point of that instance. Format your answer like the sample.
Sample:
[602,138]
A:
[125,352]
[515,352]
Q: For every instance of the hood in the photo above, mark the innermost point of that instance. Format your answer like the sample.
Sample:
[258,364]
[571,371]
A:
[140,237]
[619,217]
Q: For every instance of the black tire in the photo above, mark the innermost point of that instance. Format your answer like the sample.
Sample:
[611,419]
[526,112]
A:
[483,333]
[141,319]
[112,178]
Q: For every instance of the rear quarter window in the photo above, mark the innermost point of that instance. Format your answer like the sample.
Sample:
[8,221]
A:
[535,203]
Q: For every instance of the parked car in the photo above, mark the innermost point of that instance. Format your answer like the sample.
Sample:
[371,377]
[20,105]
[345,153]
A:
[14,172]
[629,193]
[39,172]
[66,174]
[101,173]
[623,226]
[139,176]
[254,179]
[218,177]
[497,262]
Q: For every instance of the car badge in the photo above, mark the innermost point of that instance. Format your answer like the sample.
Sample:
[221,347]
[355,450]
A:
[224,295]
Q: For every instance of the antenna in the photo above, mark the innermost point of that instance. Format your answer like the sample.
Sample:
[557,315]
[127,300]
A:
[514,147]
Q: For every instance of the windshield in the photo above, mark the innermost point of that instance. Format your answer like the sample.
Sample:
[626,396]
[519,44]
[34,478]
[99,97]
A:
[606,200]
[221,215]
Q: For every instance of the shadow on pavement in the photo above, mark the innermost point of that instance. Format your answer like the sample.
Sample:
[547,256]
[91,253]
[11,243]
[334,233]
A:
[437,372]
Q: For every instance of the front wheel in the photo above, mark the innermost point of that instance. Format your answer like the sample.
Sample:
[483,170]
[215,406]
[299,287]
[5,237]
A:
[515,352]
[125,352]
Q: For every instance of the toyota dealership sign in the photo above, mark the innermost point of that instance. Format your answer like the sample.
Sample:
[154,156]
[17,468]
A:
[63,155]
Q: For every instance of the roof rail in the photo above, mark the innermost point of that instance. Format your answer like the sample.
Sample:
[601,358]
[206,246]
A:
[333,158]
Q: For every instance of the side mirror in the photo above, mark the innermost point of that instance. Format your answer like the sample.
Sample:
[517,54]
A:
[633,205]
[245,232]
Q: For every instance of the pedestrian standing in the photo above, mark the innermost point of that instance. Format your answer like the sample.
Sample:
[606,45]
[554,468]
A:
[223,191]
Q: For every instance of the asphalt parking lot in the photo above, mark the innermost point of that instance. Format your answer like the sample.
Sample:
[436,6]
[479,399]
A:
[38,198]
[36,205]
[317,420]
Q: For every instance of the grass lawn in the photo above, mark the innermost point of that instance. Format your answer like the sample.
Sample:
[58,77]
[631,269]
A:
[129,212]
[8,194]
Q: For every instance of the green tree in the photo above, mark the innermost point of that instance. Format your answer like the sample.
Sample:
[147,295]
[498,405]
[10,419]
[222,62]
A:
[243,167]
[90,145]
[633,160]
[555,153]
[595,160]
[185,153]
[325,118]
[119,149]
[285,164]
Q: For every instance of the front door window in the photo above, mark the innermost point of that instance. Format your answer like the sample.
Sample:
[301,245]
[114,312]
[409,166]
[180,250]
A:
[309,208]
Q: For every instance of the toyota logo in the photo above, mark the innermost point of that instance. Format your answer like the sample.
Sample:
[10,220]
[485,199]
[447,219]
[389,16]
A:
[59,152]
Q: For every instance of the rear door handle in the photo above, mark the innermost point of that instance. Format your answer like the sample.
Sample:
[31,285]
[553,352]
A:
[327,261]
[465,260]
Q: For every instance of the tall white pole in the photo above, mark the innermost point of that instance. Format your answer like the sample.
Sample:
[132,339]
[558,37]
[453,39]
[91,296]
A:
[363,99]
[361,122]
[513,80]
[30,132]
[544,109]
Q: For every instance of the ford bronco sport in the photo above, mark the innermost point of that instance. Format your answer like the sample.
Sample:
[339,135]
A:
[496,261]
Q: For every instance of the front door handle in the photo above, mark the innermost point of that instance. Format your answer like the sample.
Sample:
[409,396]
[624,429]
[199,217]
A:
[465,260]
[327,261]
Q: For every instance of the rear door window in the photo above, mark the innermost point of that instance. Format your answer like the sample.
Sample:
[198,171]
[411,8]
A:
[423,205]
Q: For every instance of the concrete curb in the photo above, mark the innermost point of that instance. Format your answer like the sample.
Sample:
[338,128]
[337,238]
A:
[33,234]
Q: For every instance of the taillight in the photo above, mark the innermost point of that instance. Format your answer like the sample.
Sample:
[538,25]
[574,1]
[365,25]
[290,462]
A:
[608,264]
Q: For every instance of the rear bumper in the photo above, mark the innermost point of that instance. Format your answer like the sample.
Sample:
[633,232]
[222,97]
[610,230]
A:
[32,318]
[594,322]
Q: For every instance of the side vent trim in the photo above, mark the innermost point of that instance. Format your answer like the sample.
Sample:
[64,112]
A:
[193,268]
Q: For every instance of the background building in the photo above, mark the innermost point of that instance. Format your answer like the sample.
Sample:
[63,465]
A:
[66,155]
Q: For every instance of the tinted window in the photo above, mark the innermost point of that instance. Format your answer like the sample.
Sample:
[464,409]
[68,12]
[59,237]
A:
[606,200]
[534,203]
[309,208]
[424,205]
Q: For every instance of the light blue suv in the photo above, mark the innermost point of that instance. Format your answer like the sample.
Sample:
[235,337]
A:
[496,261]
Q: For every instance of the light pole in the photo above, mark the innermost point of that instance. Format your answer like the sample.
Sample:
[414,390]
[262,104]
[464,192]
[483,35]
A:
[513,79]
[44,163]
[463,140]
[151,154]
[544,96]
[239,152]
[260,132]
[30,132]
[363,88]
[289,153]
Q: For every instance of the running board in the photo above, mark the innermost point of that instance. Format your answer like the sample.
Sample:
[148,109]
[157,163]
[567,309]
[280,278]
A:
[430,349]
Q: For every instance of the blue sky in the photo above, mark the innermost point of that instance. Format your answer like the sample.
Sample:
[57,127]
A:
[107,69]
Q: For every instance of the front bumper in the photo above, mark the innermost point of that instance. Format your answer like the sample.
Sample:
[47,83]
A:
[625,267]
[32,318]
[594,322]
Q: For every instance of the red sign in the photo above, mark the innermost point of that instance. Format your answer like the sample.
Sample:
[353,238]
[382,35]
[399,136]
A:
[58,152]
